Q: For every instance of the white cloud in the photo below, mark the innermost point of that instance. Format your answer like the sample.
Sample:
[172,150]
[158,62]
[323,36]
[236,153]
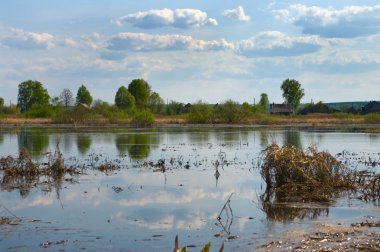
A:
[146,42]
[237,14]
[24,40]
[180,18]
[275,43]
[351,21]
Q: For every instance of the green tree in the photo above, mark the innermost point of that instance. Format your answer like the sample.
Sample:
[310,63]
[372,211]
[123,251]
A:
[155,103]
[264,102]
[293,93]
[31,92]
[140,89]
[83,96]
[124,99]
[1,102]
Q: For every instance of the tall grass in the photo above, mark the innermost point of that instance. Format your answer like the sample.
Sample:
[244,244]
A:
[372,118]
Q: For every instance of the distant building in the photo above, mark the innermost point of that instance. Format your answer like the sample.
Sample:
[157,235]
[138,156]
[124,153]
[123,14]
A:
[371,107]
[280,109]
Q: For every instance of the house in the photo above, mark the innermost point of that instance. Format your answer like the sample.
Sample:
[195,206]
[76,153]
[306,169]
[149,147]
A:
[280,109]
[371,107]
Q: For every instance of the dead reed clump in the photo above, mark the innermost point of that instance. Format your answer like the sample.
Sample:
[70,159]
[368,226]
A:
[23,173]
[108,168]
[297,175]
[23,165]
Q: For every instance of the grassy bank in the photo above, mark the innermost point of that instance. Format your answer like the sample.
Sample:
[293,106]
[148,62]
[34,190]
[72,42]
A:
[144,119]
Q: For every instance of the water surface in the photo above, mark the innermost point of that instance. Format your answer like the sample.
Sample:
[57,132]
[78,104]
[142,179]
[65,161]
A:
[141,208]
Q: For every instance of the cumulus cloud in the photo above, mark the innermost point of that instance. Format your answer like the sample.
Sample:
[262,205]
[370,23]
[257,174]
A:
[349,22]
[24,40]
[274,43]
[146,42]
[180,18]
[237,14]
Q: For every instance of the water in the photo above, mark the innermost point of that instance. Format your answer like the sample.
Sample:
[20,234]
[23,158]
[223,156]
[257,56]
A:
[140,208]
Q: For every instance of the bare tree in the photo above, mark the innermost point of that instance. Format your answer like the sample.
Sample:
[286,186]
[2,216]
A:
[67,97]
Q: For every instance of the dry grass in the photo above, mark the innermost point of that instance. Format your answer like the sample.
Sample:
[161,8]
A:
[303,175]
[23,173]
[17,120]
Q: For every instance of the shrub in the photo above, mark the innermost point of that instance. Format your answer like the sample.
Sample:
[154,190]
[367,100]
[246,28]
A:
[175,108]
[81,115]
[200,112]
[10,110]
[112,112]
[40,111]
[143,118]
[229,112]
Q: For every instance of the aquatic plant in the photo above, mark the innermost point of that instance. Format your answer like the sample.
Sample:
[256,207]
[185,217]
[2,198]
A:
[308,175]
[206,248]
[23,173]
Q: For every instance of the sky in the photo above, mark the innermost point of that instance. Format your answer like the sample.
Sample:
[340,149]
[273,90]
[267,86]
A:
[193,50]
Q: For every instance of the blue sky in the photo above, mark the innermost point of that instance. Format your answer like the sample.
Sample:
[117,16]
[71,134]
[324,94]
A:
[191,50]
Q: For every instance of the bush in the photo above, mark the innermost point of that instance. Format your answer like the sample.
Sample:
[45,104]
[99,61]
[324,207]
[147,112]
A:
[40,111]
[113,113]
[81,115]
[175,108]
[200,112]
[229,112]
[143,118]
[10,110]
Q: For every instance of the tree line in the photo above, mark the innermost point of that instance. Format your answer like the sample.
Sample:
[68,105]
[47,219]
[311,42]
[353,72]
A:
[137,101]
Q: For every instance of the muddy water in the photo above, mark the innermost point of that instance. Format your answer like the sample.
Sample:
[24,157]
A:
[143,206]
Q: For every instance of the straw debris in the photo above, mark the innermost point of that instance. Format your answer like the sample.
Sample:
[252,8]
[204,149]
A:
[297,175]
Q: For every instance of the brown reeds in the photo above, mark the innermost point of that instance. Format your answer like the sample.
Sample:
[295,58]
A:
[297,175]
[23,173]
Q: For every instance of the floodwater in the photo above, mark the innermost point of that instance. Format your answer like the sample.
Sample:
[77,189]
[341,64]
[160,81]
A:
[209,189]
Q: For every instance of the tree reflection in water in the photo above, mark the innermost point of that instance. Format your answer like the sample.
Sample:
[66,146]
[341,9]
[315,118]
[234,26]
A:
[293,137]
[136,145]
[35,141]
[83,143]
[277,208]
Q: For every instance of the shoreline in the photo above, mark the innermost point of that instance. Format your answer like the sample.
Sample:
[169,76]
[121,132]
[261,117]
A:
[38,123]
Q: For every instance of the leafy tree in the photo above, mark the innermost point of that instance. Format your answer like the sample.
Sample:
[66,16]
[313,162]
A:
[140,89]
[292,92]
[124,99]
[83,96]
[31,92]
[1,102]
[67,97]
[264,102]
[155,103]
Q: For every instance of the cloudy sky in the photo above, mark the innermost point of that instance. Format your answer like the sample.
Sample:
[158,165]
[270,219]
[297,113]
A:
[190,50]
